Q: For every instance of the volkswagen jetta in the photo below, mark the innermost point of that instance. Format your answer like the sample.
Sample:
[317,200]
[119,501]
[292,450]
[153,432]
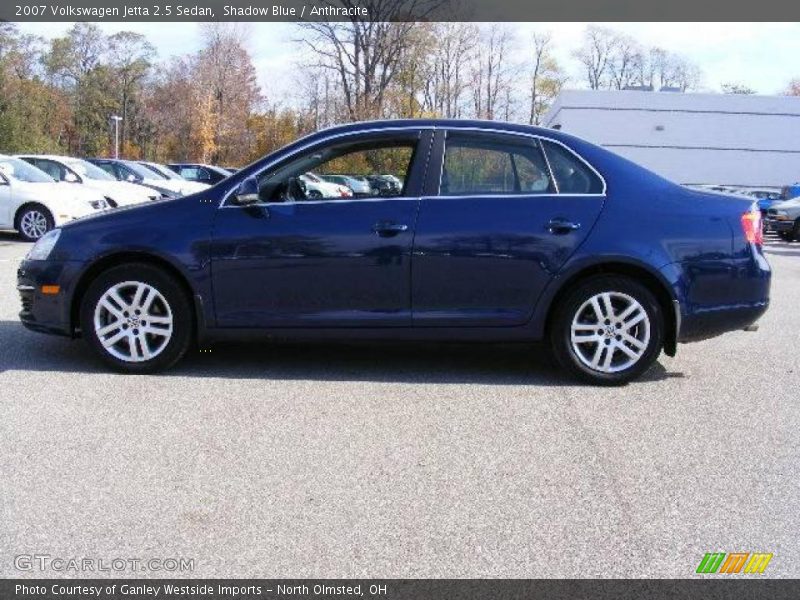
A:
[499,232]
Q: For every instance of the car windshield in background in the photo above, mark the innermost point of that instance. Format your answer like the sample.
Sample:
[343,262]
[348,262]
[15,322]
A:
[163,171]
[22,171]
[142,171]
[88,170]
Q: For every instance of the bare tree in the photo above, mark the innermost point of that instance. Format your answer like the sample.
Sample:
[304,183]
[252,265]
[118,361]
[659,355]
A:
[624,62]
[491,73]
[130,56]
[546,78]
[599,44]
[365,55]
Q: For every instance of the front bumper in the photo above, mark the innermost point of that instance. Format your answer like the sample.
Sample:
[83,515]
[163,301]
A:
[47,313]
[780,226]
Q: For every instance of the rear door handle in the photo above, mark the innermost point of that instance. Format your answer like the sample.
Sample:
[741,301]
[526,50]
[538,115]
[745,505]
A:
[389,229]
[560,226]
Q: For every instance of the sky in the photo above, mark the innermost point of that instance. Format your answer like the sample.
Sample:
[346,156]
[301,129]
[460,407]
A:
[762,56]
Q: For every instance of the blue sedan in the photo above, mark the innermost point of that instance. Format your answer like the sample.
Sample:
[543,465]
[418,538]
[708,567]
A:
[498,232]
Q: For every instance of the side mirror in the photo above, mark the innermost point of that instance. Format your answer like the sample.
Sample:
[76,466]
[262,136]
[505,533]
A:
[71,178]
[247,193]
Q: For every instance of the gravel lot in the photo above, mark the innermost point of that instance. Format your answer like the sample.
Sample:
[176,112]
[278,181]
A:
[407,461]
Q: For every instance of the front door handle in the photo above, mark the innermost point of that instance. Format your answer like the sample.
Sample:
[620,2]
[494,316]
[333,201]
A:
[561,226]
[389,229]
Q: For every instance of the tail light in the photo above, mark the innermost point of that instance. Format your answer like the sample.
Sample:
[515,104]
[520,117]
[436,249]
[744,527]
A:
[751,226]
[345,192]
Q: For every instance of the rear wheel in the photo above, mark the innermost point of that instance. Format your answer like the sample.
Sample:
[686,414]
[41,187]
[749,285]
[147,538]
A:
[137,318]
[608,330]
[33,222]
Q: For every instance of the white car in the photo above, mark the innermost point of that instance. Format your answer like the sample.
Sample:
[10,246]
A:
[316,187]
[177,183]
[33,203]
[77,171]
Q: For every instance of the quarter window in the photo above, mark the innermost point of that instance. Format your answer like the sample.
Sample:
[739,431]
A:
[572,175]
[477,165]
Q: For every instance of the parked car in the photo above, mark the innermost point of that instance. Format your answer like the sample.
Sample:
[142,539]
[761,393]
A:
[315,188]
[384,186]
[133,172]
[608,262]
[208,174]
[85,174]
[784,218]
[358,185]
[33,203]
[177,183]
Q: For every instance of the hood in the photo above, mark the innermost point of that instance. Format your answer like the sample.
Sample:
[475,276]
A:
[55,191]
[791,203]
[122,192]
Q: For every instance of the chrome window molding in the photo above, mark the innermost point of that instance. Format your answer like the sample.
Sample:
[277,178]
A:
[224,202]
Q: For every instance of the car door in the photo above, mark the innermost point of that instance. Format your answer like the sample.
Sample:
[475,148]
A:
[334,262]
[493,228]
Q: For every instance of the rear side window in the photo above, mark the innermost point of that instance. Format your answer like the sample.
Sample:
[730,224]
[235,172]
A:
[572,175]
[477,165]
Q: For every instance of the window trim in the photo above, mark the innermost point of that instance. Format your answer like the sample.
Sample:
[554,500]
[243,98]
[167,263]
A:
[539,144]
[422,128]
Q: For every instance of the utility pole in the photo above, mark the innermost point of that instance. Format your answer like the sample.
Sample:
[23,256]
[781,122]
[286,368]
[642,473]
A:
[116,120]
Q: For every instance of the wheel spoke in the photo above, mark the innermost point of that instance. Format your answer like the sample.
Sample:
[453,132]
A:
[598,354]
[156,331]
[146,354]
[639,345]
[631,354]
[597,310]
[609,357]
[158,320]
[137,296]
[110,327]
[592,338]
[105,303]
[134,351]
[109,342]
[608,306]
[627,325]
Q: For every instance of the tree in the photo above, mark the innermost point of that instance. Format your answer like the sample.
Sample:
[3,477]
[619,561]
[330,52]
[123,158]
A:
[365,55]
[130,58]
[599,44]
[491,74]
[737,88]
[794,88]
[546,78]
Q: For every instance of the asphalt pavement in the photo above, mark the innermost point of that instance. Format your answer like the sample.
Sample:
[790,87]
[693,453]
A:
[402,461]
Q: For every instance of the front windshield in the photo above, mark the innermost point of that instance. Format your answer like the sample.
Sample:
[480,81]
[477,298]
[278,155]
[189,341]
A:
[22,171]
[87,170]
[163,171]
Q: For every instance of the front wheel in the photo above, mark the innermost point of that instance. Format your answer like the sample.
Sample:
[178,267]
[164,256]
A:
[137,318]
[33,222]
[608,330]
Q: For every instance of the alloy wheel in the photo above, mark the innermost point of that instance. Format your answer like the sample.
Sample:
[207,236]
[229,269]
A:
[610,332]
[33,224]
[133,321]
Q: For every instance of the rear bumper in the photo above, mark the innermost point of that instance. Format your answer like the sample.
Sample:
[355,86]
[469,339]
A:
[715,296]
[705,324]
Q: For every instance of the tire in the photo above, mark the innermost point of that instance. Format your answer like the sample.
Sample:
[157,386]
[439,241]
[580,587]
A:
[163,328]
[586,359]
[786,236]
[795,235]
[33,221]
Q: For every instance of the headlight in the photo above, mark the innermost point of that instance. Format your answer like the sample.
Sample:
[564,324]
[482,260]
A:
[98,204]
[44,246]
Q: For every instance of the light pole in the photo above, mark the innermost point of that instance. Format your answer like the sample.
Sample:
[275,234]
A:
[116,120]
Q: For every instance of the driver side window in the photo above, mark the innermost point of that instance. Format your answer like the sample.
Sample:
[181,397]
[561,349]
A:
[356,169]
